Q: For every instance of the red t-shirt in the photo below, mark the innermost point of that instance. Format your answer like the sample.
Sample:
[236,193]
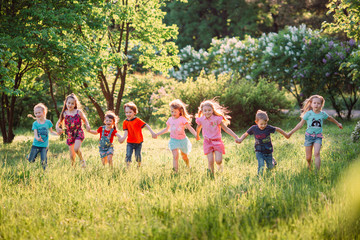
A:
[106,133]
[134,128]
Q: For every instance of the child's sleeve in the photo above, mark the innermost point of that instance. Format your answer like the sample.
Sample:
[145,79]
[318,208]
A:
[141,123]
[125,127]
[272,129]
[198,121]
[99,130]
[49,124]
[250,131]
[325,115]
[34,126]
[306,116]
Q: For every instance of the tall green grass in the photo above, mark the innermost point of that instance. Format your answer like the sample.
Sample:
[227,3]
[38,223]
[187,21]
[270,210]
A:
[154,203]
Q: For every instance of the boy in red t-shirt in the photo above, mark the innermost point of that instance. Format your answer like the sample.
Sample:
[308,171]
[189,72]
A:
[132,127]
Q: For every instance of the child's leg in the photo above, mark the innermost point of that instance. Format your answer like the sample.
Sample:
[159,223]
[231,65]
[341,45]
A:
[129,151]
[43,154]
[109,158]
[308,154]
[269,161]
[210,158]
[317,147]
[104,160]
[72,154]
[218,159]
[33,153]
[185,158]
[138,153]
[260,159]
[77,146]
[175,153]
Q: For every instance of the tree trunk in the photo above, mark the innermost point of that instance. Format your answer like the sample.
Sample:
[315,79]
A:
[52,93]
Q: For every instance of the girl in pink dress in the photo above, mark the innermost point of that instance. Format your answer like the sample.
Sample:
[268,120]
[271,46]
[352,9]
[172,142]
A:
[177,123]
[211,118]
[72,116]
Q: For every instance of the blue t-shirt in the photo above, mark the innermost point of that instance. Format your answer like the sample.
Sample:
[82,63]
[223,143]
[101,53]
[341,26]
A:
[315,121]
[262,138]
[43,131]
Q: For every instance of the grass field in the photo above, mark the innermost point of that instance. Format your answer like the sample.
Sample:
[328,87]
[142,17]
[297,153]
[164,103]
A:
[153,203]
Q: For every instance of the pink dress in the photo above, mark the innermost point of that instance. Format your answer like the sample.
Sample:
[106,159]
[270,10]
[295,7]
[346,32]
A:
[73,128]
[211,131]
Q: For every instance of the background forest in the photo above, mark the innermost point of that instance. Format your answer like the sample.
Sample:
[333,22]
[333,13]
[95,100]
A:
[110,52]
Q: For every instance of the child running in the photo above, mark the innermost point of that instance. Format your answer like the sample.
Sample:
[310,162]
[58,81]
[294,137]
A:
[41,128]
[314,116]
[107,133]
[179,120]
[132,126]
[263,145]
[72,115]
[211,118]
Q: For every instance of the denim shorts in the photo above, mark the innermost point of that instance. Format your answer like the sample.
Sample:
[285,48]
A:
[262,159]
[310,140]
[43,155]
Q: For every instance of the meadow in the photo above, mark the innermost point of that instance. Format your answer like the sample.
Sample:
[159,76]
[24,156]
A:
[152,202]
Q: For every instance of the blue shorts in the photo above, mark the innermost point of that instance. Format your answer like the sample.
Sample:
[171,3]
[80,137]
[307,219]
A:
[183,144]
[310,140]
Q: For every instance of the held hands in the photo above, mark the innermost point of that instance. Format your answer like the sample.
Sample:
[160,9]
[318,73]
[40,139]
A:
[154,135]
[59,130]
[238,140]
[197,138]
[340,126]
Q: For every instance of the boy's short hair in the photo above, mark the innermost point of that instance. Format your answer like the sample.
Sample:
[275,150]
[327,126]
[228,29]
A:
[132,106]
[261,115]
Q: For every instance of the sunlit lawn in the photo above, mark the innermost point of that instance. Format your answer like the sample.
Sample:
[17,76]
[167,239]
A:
[154,203]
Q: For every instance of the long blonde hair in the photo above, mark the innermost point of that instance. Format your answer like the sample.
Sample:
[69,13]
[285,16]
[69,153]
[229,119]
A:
[112,115]
[77,105]
[39,105]
[307,104]
[217,109]
[178,104]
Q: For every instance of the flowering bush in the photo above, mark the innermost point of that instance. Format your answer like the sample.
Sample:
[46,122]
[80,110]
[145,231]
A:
[192,63]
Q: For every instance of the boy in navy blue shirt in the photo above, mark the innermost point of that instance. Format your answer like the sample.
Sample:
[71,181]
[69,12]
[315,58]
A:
[263,145]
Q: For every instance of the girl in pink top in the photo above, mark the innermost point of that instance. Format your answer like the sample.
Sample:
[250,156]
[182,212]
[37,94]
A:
[177,123]
[211,118]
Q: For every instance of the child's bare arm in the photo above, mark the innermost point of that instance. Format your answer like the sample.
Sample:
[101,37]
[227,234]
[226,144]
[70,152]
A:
[228,131]
[165,130]
[57,127]
[53,133]
[118,136]
[151,131]
[83,117]
[286,135]
[37,137]
[198,129]
[297,127]
[191,129]
[242,137]
[331,119]
[92,131]
[121,140]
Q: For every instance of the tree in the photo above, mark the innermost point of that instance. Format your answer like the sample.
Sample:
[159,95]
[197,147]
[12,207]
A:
[346,16]
[126,24]
[33,37]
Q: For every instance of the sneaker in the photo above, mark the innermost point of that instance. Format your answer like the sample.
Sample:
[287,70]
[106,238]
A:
[274,162]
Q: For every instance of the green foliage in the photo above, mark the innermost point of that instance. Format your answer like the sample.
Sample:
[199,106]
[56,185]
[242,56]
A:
[244,99]
[346,18]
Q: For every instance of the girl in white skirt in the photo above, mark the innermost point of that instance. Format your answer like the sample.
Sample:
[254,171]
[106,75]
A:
[177,123]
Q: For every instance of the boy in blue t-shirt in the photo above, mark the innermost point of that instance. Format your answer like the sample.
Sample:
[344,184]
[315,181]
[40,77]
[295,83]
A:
[263,145]
[41,128]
